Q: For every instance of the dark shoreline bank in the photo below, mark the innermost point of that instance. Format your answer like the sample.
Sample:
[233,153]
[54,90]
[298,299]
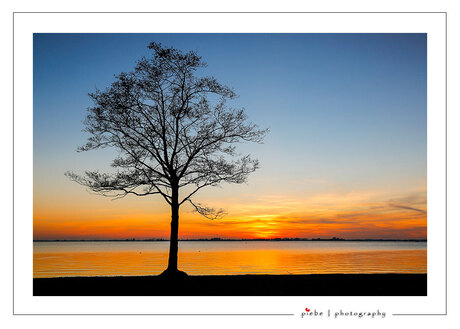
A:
[237,285]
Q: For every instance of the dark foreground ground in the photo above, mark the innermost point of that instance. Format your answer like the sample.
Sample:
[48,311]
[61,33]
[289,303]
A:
[238,285]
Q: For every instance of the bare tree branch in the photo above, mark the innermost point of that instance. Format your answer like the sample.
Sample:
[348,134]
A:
[168,130]
[208,212]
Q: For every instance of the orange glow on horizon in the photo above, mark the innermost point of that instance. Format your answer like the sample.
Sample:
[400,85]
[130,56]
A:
[327,218]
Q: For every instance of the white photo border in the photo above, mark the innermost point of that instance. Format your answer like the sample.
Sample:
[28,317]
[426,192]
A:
[26,24]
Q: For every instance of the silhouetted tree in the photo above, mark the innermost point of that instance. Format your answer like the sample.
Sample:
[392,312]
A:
[172,130]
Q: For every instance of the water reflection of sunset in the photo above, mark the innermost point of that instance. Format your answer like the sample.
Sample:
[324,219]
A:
[223,258]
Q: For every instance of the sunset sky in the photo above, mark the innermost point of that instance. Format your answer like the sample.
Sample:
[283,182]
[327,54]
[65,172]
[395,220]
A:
[345,157]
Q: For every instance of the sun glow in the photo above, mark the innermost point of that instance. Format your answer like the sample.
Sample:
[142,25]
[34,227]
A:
[318,217]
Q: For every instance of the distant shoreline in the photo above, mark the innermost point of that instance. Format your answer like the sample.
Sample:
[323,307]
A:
[231,240]
[237,285]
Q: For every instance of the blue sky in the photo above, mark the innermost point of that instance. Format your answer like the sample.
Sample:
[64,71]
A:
[347,112]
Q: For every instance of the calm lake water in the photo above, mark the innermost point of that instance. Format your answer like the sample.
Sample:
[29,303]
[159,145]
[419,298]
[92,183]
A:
[54,259]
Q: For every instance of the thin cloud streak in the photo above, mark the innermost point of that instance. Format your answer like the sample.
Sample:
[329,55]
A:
[407,207]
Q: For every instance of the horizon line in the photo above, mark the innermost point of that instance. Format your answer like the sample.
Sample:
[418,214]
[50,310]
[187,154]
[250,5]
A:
[224,239]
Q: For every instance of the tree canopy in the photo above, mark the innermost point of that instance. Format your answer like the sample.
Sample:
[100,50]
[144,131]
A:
[168,132]
[172,129]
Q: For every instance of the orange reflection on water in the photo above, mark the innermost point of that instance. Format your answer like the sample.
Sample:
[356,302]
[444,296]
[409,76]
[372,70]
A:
[56,259]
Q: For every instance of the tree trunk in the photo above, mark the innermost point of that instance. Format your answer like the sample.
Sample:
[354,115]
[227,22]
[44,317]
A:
[172,270]
[173,241]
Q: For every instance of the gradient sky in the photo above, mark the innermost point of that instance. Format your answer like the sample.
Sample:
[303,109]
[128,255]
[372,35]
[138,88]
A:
[346,155]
